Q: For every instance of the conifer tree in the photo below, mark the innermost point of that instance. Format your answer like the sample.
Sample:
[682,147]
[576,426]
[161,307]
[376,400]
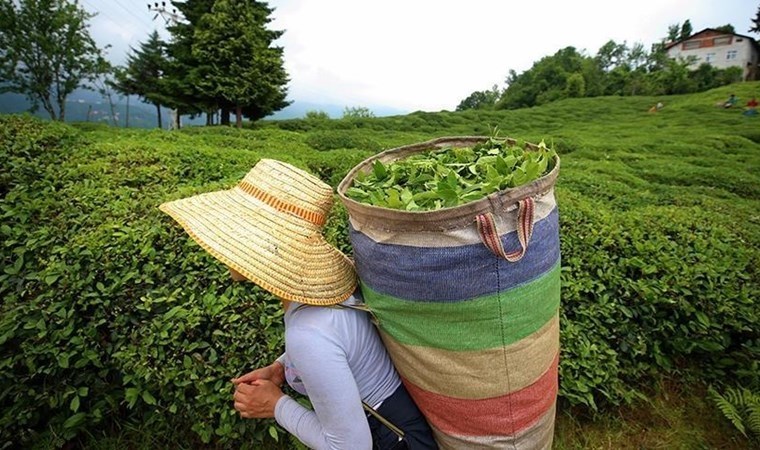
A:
[240,64]
[756,22]
[143,74]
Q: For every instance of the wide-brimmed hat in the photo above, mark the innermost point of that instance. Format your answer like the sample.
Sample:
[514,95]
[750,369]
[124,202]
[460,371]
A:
[269,229]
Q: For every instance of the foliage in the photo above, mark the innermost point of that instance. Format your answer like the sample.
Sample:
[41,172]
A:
[46,52]
[450,177]
[755,22]
[480,99]
[242,66]
[357,112]
[143,72]
[331,140]
[316,115]
[111,316]
[741,407]
[616,69]
[184,71]
[576,86]
[727,28]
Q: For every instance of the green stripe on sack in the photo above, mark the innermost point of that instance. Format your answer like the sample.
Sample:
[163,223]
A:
[482,323]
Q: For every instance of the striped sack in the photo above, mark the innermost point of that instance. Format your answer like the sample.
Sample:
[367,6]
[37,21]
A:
[467,301]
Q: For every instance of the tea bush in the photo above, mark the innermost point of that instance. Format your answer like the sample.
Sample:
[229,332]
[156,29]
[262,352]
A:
[331,140]
[109,310]
[111,315]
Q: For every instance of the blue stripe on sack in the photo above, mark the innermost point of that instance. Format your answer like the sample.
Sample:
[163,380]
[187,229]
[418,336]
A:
[450,274]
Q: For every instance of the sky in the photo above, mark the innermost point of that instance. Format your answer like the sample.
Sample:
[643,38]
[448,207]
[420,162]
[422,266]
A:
[429,55]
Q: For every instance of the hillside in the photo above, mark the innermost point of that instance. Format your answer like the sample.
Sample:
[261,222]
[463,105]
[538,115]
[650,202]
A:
[83,102]
[113,320]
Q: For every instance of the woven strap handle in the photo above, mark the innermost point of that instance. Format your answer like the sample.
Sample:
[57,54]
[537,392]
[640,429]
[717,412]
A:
[490,237]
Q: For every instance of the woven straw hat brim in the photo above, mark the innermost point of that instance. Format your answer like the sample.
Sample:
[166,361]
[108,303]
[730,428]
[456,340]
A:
[280,252]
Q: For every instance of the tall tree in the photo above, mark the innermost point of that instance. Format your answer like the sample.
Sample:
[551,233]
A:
[756,22]
[673,32]
[481,99]
[185,72]
[686,30]
[611,54]
[544,82]
[242,66]
[46,52]
[143,73]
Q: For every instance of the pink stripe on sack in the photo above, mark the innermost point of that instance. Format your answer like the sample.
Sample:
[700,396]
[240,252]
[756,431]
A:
[506,415]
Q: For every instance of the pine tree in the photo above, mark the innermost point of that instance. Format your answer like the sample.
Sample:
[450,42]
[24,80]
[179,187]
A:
[241,66]
[686,30]
[143,73]
[756,22]
[183,74]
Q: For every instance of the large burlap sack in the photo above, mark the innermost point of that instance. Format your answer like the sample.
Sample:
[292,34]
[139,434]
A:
[467,300]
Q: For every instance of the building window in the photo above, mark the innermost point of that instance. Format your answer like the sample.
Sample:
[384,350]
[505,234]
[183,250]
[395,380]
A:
[723,40]
[710,57]
[731,54]
[739,40]
[690,45]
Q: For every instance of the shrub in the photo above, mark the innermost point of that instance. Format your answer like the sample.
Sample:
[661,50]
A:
[335,139]
[110,312]
[111,315]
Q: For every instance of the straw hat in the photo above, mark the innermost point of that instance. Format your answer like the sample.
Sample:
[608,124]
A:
[269,229]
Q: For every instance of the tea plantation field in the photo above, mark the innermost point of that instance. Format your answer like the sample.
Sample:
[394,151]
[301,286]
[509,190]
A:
[116,330]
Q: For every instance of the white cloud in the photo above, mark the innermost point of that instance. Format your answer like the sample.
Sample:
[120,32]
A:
[429,55]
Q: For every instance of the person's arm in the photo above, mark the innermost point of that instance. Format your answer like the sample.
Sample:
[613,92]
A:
[338,420]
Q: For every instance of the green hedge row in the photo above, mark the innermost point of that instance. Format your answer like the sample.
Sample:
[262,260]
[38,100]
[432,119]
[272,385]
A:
[111,315]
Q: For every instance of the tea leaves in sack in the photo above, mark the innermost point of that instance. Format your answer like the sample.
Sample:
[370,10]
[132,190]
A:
[454,176]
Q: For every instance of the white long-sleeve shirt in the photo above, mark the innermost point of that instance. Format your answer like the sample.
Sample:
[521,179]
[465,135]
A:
[336,357]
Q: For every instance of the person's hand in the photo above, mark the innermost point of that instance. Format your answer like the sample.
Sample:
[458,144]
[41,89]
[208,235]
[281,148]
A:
[274,372]
[256,400]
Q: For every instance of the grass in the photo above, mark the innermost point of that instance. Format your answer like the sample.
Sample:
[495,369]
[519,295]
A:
[673,418]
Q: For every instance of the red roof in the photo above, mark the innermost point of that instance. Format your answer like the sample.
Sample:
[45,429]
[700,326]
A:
[670,45]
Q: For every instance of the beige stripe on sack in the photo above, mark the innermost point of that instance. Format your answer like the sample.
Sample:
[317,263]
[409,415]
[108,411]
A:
[462,375]
[505,223]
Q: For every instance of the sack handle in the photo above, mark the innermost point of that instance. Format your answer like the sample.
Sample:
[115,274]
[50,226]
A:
[396,430]
[490,236]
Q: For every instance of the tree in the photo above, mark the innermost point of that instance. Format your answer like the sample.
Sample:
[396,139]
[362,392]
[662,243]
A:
[143,73]
[357,112]
[727,28]
[611,54]
[318,116]
[674,78]
[576,86]
[481,99]
[544,82]
[46,52]
[673,32]
[185,72]
[243,67]
[756,22]
[686,30]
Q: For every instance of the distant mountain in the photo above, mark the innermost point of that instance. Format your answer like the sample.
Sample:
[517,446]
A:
[298,109]
[88,106]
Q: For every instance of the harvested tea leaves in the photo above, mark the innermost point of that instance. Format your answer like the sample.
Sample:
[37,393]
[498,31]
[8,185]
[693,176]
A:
[450,177]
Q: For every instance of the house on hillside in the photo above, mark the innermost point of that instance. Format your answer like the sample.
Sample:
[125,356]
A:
[719,49]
